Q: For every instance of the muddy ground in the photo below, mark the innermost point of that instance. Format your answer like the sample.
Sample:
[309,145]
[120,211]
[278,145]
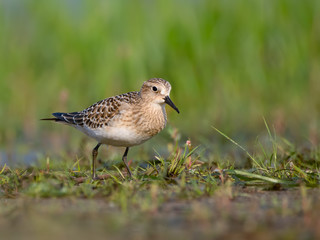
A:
[242,213]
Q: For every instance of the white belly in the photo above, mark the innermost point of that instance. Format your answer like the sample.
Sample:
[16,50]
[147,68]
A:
[115,136]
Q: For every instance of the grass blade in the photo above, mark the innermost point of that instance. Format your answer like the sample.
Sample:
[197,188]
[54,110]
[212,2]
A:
[254,176]
[238,145]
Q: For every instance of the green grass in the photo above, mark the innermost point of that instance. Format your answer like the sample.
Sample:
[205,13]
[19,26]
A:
[245,77]
[186,172]
[188,192]
[229,63]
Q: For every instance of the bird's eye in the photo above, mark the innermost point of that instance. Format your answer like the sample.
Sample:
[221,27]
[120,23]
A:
[154,88]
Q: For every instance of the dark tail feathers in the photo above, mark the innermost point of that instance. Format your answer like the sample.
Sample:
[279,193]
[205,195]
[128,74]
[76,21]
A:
[71,118]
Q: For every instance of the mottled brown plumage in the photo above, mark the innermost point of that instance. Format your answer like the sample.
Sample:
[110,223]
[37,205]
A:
[124,120]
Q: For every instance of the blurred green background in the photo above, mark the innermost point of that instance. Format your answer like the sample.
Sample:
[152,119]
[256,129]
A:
[230,63]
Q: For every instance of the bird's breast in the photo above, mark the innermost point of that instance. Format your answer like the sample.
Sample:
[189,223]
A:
[152,121]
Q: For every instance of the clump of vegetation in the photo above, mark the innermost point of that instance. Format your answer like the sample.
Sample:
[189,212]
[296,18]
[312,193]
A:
[186,173]
[188,186]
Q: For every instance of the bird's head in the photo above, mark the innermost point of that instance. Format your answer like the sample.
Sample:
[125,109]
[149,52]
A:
[157,90]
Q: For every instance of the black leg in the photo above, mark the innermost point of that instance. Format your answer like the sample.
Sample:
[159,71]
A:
[124,159]
[94,156]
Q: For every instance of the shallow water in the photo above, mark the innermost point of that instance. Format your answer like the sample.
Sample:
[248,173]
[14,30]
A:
[16,158]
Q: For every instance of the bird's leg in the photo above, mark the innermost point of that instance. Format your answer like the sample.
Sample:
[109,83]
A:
[124,159]
[94,156]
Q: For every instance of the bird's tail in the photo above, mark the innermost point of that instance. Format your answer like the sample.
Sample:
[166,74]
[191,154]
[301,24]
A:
[74,118]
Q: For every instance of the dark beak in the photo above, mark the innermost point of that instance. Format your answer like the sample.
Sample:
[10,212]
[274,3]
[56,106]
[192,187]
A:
[168,101]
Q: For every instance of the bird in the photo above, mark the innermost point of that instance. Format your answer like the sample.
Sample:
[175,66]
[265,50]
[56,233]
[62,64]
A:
[124,120]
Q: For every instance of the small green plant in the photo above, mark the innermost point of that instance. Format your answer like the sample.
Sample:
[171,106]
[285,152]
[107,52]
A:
[181,160]
[276,166]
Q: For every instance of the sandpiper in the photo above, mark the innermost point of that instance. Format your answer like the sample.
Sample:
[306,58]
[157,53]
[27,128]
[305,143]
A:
[124,120]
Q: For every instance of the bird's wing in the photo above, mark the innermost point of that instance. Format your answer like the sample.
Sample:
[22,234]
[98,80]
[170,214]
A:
[98,114]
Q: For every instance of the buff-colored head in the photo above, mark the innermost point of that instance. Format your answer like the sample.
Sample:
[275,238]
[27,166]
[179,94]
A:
[157,90]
